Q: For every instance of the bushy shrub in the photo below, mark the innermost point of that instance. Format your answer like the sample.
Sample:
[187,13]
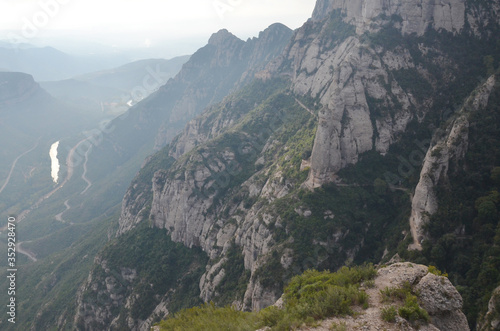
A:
[389,314]
[412,312]
[433,270]
[391,294]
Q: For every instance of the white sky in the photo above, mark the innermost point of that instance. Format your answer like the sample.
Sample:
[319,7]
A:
[146,21]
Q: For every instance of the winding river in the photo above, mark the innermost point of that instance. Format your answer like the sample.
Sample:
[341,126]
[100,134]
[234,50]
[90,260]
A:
[55,162]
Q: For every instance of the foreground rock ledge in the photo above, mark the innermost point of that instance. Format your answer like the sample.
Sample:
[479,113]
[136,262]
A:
[436,295]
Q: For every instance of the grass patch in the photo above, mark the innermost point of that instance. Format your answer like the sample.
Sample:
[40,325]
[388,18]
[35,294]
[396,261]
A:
[308,298]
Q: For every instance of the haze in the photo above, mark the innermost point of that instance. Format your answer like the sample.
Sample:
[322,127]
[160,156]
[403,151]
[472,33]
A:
[147,24]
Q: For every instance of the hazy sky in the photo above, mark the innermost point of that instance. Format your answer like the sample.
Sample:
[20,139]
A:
[141,23]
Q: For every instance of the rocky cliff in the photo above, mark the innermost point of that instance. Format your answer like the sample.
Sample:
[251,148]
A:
[449,146]
[416,17]
[491,321]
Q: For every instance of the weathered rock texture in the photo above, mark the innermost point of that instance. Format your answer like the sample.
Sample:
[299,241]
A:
[449,146]
[491,320]
[416,17]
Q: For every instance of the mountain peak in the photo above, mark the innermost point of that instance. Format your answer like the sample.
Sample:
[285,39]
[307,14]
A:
[221,36]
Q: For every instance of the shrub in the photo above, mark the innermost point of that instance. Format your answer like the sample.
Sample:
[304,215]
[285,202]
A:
[433,270]
[391,294]
[389,314]
[412,312]
[369,284]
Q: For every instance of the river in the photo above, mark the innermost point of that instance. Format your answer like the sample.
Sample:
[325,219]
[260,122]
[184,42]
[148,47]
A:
[55,162]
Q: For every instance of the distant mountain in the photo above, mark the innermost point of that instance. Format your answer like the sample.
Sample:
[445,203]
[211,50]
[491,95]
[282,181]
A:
[152,72]
[48,64]
[115,90]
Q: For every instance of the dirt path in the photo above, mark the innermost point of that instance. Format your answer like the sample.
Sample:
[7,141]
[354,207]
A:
[304,106]
[14,165]
[29,254]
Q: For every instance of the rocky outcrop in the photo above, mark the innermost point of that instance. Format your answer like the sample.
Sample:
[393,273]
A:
[491,320]
[449,147]
[442,301]
[225,64]
[362,105]
[415,18]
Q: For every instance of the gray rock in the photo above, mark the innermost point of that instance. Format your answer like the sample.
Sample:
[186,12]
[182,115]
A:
[437,295]
[448,14]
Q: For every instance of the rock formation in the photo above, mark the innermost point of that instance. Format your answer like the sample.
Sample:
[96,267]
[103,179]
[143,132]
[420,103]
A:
[449,146]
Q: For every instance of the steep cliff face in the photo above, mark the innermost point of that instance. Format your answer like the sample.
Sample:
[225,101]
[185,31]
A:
[449,146]
[416,16]
[368,85]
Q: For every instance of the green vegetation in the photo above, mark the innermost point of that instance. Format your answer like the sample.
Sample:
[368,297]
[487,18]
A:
[339,326]
[308,297]
[232,287]
[390,294]
[210,318]
[157,266]
[433,270]
[352,214]
[389,314]
[50,285]
[410,310]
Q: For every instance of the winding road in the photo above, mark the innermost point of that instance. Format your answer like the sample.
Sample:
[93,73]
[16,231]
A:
[14,165]
[59,216]
[84,175]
